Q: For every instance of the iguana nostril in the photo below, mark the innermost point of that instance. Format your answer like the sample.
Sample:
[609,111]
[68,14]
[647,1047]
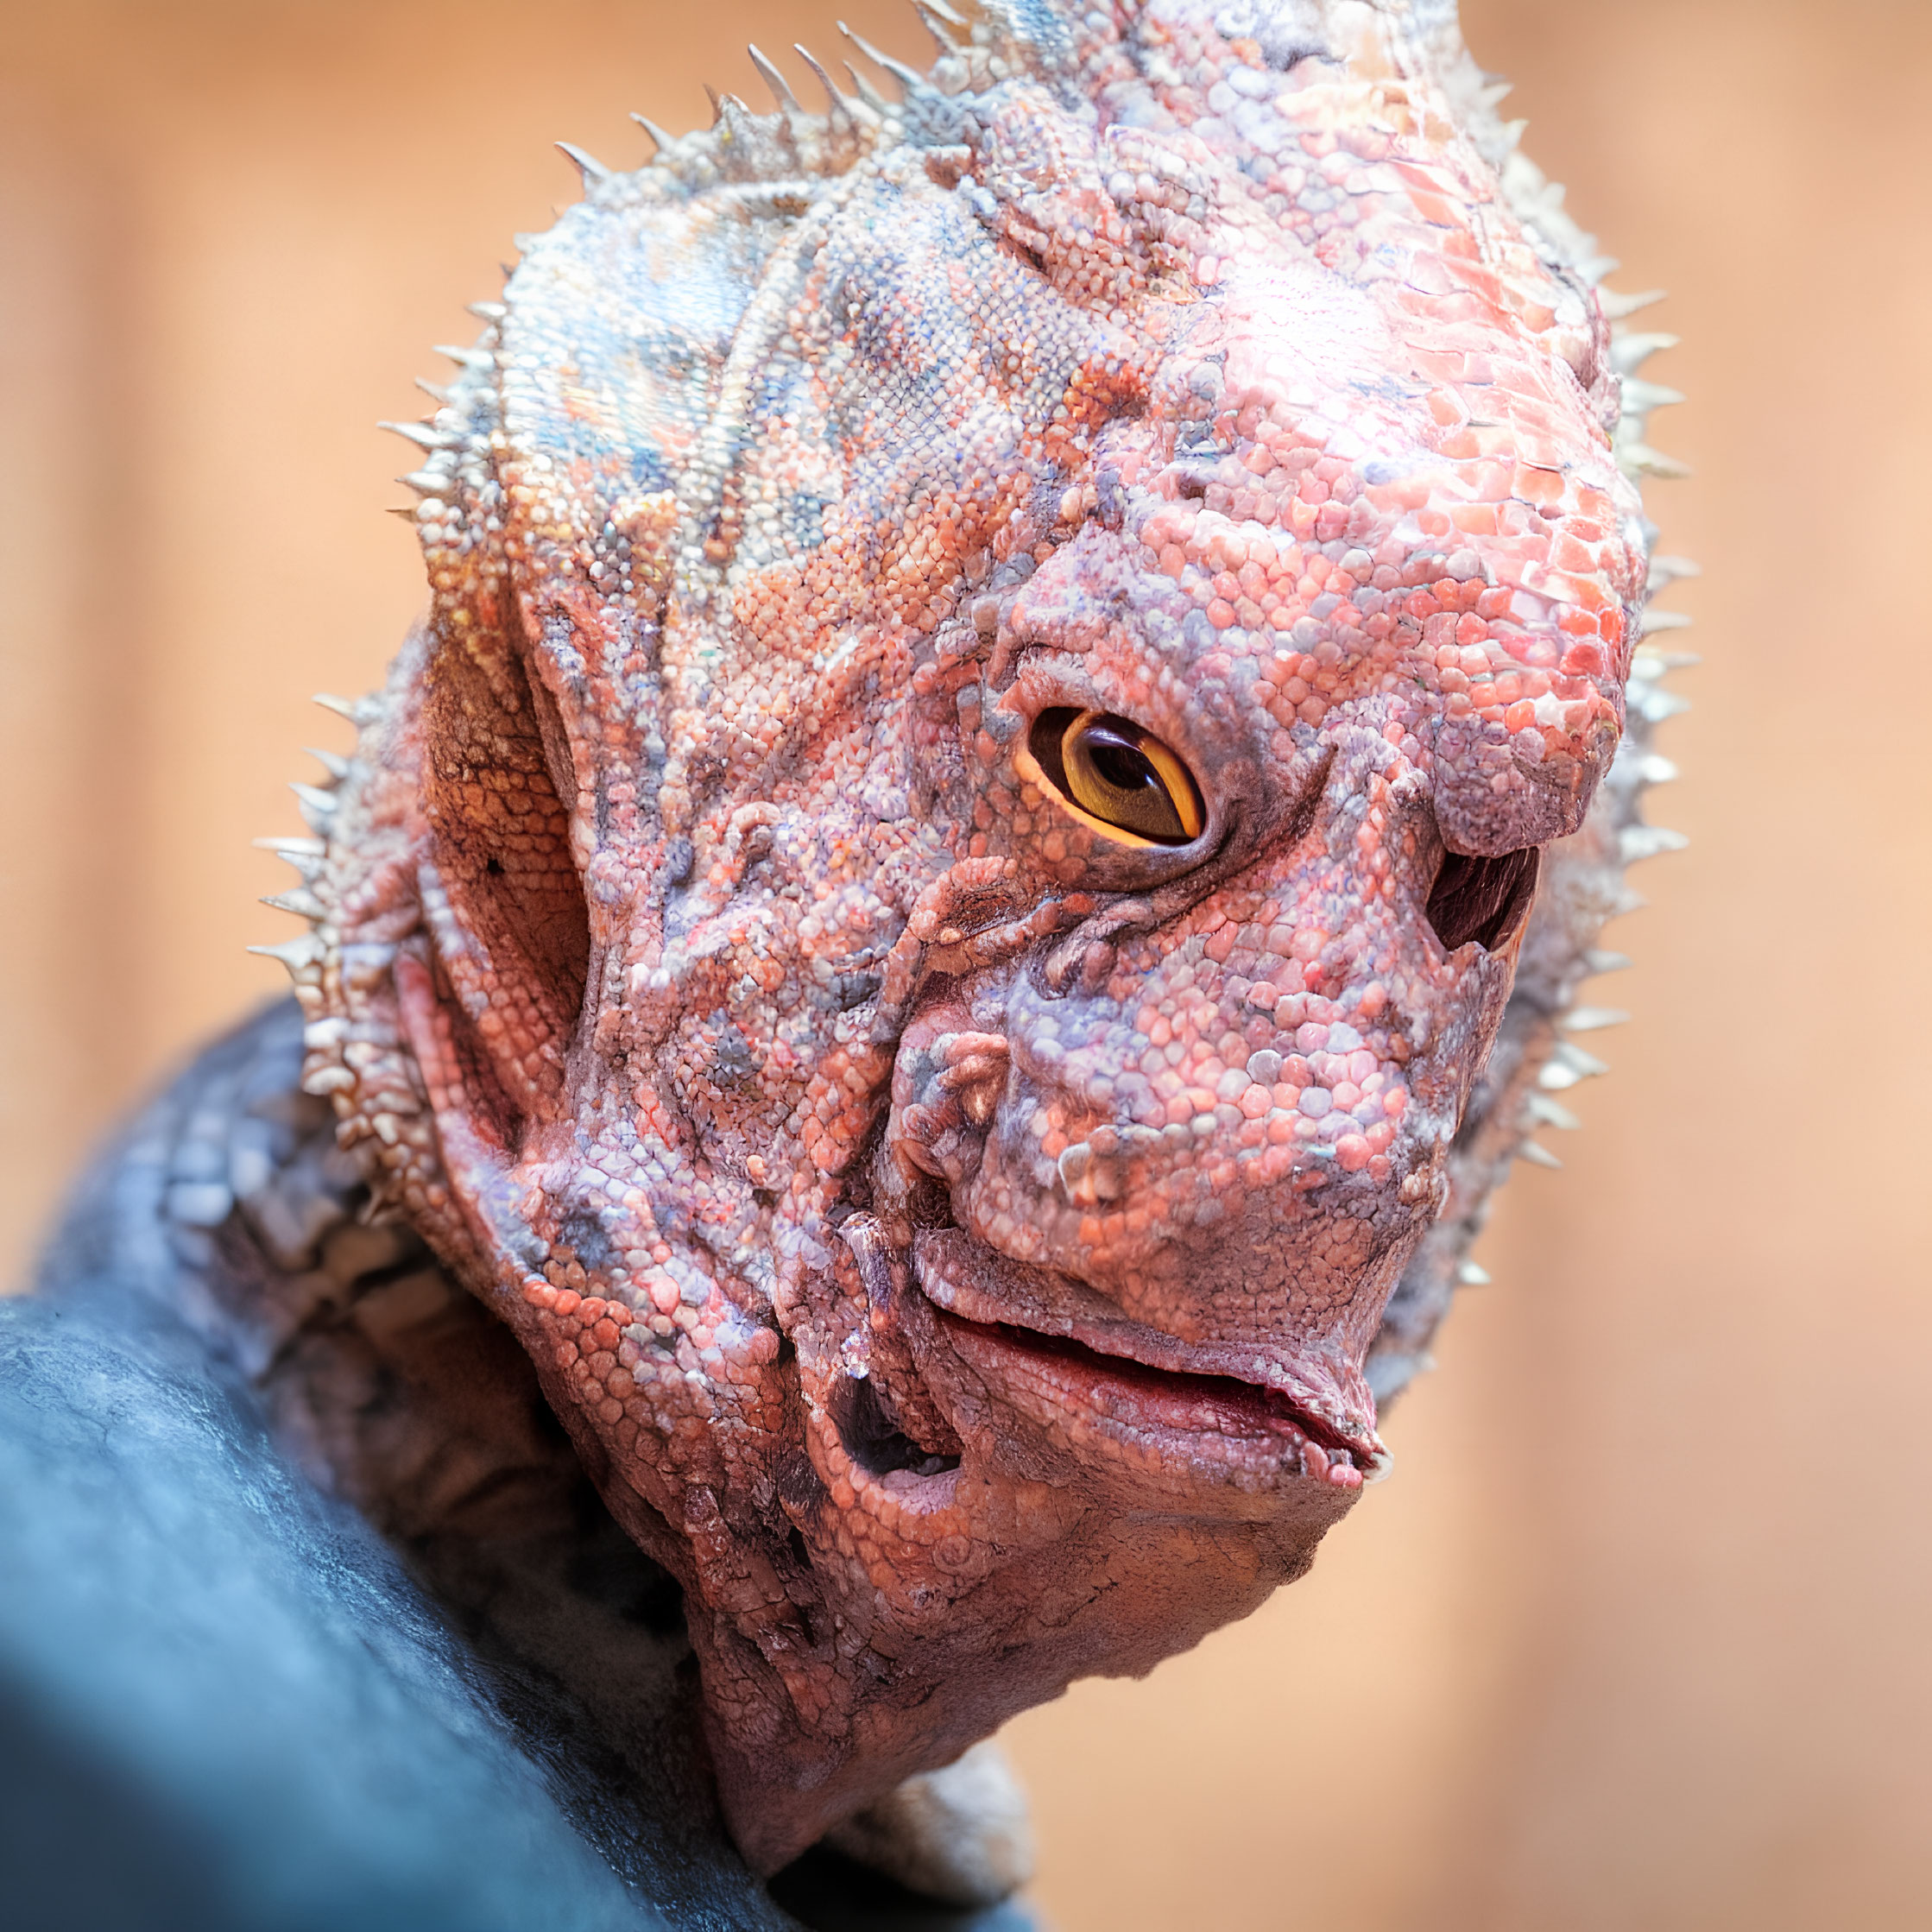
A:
[1484,899]
[946,1092]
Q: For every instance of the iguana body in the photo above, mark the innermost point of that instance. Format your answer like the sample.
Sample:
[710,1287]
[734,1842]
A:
[930,920]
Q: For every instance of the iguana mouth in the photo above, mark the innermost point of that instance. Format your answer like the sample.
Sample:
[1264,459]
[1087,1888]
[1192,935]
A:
[1136,1378]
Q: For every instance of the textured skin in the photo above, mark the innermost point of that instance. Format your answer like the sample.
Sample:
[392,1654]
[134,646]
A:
[228,1394]
[957,1240]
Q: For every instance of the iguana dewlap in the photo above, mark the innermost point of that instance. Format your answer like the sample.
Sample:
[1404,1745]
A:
[923,915]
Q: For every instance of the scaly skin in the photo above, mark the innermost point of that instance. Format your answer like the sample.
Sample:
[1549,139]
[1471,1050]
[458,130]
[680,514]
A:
[953,1236]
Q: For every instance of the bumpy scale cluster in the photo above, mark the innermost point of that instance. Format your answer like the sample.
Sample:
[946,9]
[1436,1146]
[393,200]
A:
[922,917]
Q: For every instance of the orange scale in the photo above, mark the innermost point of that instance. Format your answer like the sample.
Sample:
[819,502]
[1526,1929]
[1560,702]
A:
[1540,488]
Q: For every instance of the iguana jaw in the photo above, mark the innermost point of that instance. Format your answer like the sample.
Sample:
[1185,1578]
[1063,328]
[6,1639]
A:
[1184,1418]
[1282,1401]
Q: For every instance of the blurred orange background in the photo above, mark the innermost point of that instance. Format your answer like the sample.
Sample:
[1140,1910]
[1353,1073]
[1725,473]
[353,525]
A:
[1639,1635]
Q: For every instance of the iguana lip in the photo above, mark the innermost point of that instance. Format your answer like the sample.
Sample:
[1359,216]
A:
[996,1305]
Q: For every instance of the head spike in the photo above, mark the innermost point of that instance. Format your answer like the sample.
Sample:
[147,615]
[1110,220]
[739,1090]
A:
[318,807]
[1591,1020]
[296,955]
[301,902]
[1473,1274]
[1617,308]
[478,359]
[488,312]
[332,761]
[939,22]
[1536,1154]
[911,80]
[425,436]
[304,854]
[1653,704]
[869,95]
[1640,398]
[656,133]
[587,165]
[1631,350]
[735,123]
[1639,459]
[358,710]
[1635,843]
[781,91]
[838,103]
[1584,1065]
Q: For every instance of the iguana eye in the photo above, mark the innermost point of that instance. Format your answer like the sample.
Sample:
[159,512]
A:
[1120,779]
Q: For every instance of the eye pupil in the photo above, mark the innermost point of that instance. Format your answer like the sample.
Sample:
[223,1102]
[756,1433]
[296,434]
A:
[1122,766]
[1114,772]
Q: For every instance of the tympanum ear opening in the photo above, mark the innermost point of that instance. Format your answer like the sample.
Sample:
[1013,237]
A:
[1486,899]
[512,935]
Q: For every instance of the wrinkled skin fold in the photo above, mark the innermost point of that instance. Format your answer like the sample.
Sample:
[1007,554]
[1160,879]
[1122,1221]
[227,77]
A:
[953,1231]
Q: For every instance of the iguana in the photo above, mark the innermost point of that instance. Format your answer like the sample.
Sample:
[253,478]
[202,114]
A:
[1032,706]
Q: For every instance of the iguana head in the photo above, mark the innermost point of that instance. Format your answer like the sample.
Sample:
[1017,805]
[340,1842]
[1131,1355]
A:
[921,914]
